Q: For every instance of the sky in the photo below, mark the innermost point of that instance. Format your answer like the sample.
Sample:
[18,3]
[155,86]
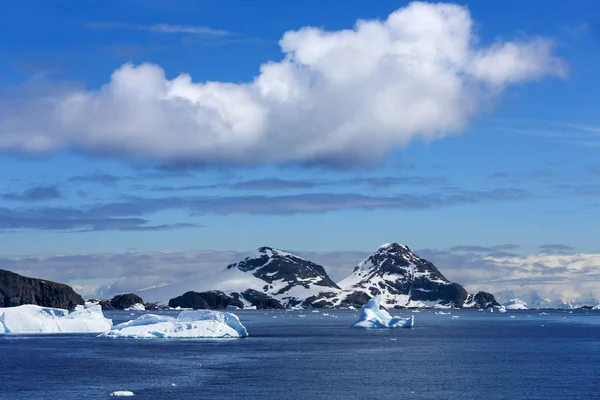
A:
[136,127]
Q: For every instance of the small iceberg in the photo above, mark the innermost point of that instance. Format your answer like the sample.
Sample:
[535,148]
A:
[136,307]
[31,319]
[372,316]
[250,308]
[122,393]
[232,308]
[188,324]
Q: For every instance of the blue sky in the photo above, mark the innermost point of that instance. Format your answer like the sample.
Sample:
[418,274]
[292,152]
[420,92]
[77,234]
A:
[512,156]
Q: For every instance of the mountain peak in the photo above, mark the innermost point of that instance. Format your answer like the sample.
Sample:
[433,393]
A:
[394,247]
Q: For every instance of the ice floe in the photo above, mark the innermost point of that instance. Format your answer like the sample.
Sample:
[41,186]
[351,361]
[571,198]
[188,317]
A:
[122,393]
[32,319]
[372,316]
[188,324]
[137,307]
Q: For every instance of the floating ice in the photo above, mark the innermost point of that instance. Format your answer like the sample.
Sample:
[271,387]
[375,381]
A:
[32,319]
[373,317]
[250,308]
[122,393]
[137,307]
[232,308]
[188,324]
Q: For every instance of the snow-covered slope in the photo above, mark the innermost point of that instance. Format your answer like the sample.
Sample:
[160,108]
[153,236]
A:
[534,300]
[402,279]
[279,275]
[515,304]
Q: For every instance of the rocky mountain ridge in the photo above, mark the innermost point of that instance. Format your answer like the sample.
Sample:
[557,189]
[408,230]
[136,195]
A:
[16,290]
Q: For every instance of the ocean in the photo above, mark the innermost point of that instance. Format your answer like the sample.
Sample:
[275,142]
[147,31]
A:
[517,355]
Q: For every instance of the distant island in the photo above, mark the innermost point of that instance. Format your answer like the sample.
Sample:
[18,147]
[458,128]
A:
[276,279]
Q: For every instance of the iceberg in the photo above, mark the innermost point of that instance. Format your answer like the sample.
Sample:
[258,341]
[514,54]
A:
[250,308]
[372,316]
[188,324]
[32,319]
[136,307]
[122,393]
[232,308]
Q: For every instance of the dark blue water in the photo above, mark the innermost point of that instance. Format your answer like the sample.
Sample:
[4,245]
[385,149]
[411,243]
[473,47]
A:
[478,356]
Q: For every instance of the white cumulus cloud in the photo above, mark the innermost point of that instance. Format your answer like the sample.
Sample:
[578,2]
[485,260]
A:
[346,96]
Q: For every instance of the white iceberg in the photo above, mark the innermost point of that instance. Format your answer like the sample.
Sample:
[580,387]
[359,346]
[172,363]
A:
[188,324]
[372,316]
[32,319]
[250,308]
[136,307]
[516,304]
[122,393]
[232,308]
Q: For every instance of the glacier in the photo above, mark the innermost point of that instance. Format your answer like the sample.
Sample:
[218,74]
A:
[516,304]
[188,324]
[372,316]
[33,319]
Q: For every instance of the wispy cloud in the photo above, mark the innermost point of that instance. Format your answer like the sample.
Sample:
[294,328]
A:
[129,214]
[582,135]
[159,28]
[275,184]
[100,178]
[556,248]
[484,249]
[37,193]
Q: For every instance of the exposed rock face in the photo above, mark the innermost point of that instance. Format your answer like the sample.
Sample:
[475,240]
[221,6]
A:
[259,299]
[123,301]
[213,300]
[482,300]
[16,290]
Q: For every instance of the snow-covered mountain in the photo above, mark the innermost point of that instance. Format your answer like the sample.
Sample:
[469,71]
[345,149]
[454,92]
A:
[403,279]
[268,274]
[515,304]
[534,300]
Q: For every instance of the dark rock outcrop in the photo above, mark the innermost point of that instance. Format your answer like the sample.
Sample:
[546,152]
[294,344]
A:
[483,300]
[16,290]
[259,300]
[213,300]
[123,301]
